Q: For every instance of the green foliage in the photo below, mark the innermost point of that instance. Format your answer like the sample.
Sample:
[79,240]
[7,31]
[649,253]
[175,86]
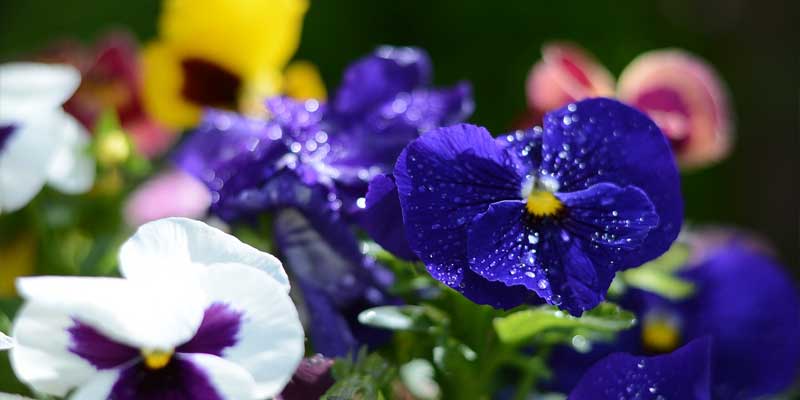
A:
[551,325]
[658,276]
[367,376]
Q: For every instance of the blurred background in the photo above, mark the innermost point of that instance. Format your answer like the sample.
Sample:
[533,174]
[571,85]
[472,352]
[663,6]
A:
[494,44]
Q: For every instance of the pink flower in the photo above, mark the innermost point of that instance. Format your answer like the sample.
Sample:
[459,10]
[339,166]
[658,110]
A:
[679,91]
[169,194]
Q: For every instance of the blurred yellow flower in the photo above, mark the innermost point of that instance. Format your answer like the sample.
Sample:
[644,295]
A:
[220,53]
[303,81]
[18,258]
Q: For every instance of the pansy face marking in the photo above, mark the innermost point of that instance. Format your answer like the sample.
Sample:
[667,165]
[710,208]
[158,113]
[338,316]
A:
[198,315]
[553,212]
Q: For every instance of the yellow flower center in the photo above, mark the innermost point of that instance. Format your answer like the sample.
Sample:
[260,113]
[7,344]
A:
[660,335]
[542,203]
[156,359]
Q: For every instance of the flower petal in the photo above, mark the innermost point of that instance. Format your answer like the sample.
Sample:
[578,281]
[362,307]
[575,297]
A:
[602,140]
[336,280]
[506,246]
[42,358]
[30,89]
[270,339]
[171,243]
[311,380]
[186,376]
[383,217]
[170,194]
[566,73]
[380,76]
[748,304]
[228,379]
[25,161]
[445,178]
[683,374]
[72,168]
[99,387]
[687,99]
[145,314]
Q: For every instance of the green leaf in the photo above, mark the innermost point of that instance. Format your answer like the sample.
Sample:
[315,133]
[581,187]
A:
[658,276]
[364,377]
[658,282]
[556,325]
[404,318]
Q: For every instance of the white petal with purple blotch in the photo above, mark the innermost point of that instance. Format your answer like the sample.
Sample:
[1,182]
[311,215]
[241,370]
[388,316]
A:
[270,340]
[156,314]
[41,357]
[230,380]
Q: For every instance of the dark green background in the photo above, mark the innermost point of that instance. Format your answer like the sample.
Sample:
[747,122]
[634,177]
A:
[753,44]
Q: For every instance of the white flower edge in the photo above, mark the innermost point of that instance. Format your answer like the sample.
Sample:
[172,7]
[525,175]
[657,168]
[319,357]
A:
[160,309]
[48,145]
[160,245]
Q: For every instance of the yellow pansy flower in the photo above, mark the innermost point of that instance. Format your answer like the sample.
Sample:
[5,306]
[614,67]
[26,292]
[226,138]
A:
[218,53]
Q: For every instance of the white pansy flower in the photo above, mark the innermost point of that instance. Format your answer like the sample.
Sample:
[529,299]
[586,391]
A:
[198,315]
[39,142]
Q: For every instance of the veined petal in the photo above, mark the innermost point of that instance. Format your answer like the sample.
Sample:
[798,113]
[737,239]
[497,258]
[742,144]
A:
[270,340]
[445,178]
[683,374]
[506,246]
[72,168]
[30,89]
[602,140]
[167,244]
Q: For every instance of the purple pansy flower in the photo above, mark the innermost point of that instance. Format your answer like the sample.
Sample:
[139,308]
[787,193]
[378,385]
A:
[683,374]
[554,212]
[754,348]
[309,166]
[198,315]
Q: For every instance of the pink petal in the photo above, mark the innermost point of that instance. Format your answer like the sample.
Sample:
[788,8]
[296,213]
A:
[687,100]
[169,194]
[566,73]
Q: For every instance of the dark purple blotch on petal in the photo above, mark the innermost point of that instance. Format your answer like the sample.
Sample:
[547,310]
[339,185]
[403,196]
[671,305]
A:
[96,348]
[682,374]
[180,379]
[5,134]
[218,331]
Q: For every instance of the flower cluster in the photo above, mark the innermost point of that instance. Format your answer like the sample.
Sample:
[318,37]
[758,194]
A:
[425,256]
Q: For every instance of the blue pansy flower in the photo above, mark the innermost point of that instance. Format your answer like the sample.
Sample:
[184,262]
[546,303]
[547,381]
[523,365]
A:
[682,374]
[553,212]
[743,301]
[309,165]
